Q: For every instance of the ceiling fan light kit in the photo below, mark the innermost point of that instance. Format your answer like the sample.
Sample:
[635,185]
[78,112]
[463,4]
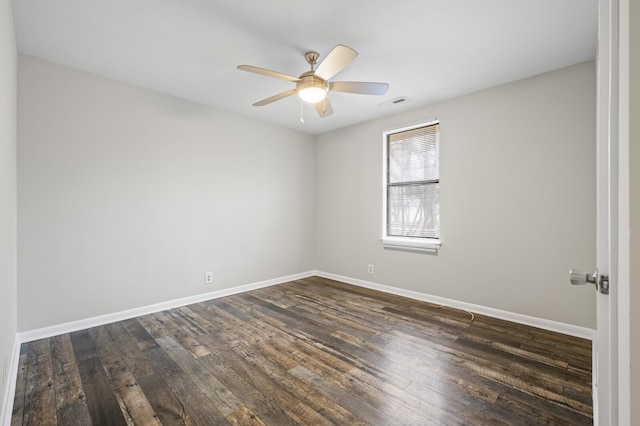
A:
[313,86]
[312,89]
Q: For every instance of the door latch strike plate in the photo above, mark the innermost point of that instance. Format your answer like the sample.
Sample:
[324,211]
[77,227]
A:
[604,284]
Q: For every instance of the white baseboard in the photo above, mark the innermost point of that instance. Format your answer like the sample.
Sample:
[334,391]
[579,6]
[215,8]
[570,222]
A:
[42,333]
[594,386]
[560,327]
[10,385]
[69,327]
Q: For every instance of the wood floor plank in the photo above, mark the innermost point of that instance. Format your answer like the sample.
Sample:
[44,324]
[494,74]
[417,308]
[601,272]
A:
[244,417]
[401,413]
[104,407]
[312,351]
[267,409]
[244,357]
[223,400]
[181,334]
[503,376]
[17,413]
[263,374]
[131,398]
[374,315]
[68,385]
[196,404]
[76,414]
[371,413]
[304,306]
[538,414]
[71,404]
[40,405]
[169,409]
[139,333]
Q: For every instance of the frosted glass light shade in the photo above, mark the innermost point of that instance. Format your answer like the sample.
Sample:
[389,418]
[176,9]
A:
[312,89]
[312,94]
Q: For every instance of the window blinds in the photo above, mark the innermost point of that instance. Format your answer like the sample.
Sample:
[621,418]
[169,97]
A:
[413,180]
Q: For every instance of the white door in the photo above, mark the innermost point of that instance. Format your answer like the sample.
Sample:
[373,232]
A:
[605,369]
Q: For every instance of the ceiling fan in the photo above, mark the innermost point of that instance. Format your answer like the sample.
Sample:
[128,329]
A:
[313,86]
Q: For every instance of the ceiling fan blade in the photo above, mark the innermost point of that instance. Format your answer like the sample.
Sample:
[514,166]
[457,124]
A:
[275,97]
[268,73]
[324,107]
[360,87]
[336,61]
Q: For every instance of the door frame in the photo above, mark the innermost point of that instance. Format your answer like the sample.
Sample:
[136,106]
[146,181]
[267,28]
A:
[611,370]
[605,371]
[624,220]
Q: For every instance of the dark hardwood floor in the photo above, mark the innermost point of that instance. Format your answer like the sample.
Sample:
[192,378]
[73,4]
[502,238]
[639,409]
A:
[311,352]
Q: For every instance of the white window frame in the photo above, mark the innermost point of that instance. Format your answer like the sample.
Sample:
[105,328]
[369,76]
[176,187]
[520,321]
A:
[430,245]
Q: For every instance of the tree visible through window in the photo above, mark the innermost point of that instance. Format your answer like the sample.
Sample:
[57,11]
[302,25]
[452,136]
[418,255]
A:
[412,183]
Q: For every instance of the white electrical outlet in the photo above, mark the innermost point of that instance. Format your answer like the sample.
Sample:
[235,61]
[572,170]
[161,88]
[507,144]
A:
[370,268]
[208,278]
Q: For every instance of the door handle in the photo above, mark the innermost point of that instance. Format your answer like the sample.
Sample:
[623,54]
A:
[579,277]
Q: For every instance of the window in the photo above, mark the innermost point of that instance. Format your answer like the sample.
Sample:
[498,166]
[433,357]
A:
[412,187]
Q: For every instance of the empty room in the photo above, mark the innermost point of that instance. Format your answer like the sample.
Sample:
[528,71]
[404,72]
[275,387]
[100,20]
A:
[349,213]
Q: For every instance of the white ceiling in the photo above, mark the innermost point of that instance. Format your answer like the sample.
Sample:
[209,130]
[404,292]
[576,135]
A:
[427,50]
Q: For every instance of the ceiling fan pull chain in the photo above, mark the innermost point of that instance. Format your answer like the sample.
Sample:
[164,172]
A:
[301,111]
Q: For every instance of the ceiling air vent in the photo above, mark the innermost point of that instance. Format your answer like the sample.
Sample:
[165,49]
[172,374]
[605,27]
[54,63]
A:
[394,103]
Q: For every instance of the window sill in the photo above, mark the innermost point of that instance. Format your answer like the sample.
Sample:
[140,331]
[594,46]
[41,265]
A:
[411,244]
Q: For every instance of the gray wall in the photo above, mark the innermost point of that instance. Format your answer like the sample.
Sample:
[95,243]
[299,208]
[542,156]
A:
[635,209]
[517,199]
[114,180]
[8,68]
[127,197]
